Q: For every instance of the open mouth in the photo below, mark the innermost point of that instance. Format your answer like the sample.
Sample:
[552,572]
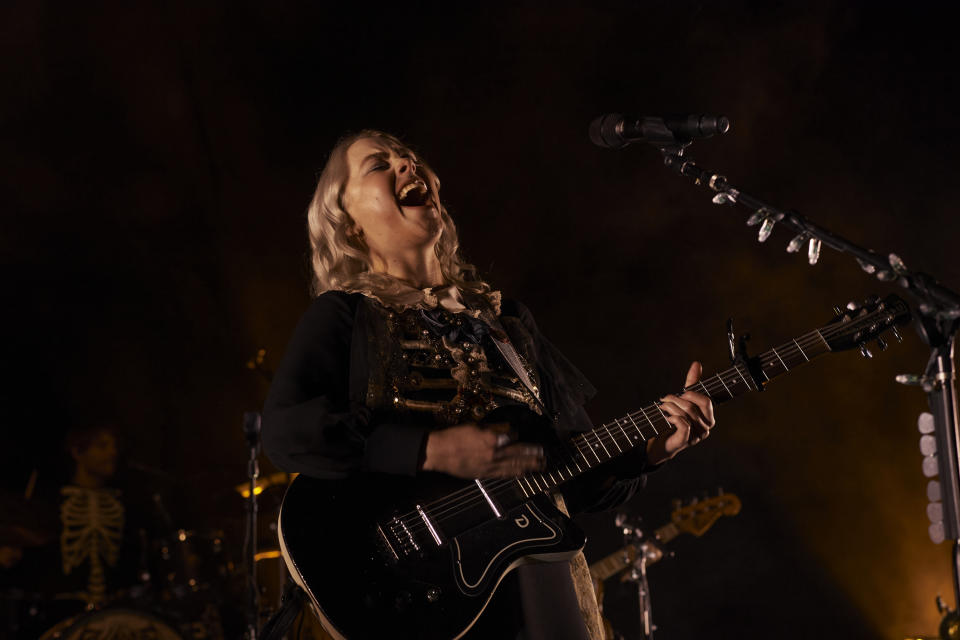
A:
[414,194]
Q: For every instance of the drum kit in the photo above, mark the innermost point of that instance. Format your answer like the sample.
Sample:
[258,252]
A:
[190,583]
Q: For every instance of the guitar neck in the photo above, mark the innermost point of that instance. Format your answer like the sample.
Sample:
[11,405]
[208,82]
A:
[594,448]
[622,558]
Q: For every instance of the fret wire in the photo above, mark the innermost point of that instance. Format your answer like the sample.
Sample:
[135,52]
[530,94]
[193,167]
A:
[624,434]
[636,427]
[543,479]
[662,414]
[607,428]
[613,437]
[825,343]
[737,367]
[644,436]
[724,384]
[801,350]
[786,368]
[585,461]
[595,454]
[572,457]
[652,426]
[520,484]
[703,386]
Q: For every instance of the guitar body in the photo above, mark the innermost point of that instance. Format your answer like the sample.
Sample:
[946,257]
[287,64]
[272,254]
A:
[367,578]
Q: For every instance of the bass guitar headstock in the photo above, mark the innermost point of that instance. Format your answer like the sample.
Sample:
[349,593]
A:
[699,515]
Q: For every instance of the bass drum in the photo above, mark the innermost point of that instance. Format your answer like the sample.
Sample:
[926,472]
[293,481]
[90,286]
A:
[110,624]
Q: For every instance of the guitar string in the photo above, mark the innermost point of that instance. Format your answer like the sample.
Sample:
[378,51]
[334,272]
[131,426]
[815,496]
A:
[457,506]
[450,505]
[475,497]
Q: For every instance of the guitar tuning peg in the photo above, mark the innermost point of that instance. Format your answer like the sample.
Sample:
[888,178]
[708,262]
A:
[881,344]
[864,351]
[852,306]
[896,334]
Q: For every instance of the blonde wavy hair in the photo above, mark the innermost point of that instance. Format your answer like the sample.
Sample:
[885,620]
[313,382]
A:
[340,259]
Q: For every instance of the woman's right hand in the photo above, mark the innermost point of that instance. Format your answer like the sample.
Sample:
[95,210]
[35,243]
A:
[467,451]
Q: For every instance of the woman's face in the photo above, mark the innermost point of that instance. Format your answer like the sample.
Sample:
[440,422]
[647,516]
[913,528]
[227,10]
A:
[395,209]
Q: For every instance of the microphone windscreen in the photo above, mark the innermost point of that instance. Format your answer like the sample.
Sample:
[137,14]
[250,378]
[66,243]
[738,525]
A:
[603,131]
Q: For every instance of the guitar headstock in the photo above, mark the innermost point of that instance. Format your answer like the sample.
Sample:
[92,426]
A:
[857,324]
[699,515]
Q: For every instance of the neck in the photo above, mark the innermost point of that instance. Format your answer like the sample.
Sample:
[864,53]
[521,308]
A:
[419,268]
[87,480]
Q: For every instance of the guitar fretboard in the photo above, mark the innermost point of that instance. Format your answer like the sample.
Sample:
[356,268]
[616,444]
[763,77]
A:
[593,448]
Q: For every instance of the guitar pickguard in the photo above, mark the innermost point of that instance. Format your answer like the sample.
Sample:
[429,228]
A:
[481,556]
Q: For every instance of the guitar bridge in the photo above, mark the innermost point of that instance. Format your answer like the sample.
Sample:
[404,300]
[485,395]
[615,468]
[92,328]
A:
[396,540]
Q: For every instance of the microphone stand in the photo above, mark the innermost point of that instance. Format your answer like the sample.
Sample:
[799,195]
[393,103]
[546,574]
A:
[251,432]
[939,322]
[648,551]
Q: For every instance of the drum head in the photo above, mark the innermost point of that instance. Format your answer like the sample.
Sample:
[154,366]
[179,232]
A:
[110,624]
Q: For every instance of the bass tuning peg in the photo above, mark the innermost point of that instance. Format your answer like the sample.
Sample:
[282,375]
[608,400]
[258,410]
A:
[864,351]
[896,334]
[881,344]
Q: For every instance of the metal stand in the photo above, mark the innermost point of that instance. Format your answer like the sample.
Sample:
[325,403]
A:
[648,551]
[251,432]
[939,321]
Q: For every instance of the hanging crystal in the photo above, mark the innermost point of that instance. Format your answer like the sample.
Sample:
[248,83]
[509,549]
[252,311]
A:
[724,197]
[897,264]
[796,243]
[765,230]
[813,251]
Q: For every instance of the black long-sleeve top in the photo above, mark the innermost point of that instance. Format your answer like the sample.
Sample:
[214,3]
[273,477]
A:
[318,418]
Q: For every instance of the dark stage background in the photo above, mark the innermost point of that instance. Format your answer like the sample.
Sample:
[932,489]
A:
[158,157]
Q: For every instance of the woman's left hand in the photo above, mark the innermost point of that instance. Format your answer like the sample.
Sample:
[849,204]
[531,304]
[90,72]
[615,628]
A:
[691,414]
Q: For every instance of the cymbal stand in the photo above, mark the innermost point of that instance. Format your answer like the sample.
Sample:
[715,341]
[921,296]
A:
[251,432]
[938,324]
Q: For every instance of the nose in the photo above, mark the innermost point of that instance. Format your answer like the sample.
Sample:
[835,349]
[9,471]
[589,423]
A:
[405,165]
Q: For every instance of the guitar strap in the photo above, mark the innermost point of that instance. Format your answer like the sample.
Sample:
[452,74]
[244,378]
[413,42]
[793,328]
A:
[501,341]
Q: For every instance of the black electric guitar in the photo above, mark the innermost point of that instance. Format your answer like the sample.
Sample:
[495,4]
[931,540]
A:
[386,556]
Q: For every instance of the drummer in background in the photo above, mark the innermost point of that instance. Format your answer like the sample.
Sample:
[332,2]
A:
[92,555]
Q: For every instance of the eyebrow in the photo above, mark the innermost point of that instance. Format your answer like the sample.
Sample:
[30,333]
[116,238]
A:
[379,155]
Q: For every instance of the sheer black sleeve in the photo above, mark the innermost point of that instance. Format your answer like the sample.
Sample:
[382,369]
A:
[565,390]
[311,424]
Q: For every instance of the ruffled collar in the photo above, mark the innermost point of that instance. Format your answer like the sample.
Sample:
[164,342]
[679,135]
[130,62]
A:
[402,296]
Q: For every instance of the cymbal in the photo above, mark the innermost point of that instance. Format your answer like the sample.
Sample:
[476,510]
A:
[26,523]
[278,479]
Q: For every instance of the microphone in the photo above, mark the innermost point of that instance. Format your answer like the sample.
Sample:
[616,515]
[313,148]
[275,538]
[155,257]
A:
[615,131]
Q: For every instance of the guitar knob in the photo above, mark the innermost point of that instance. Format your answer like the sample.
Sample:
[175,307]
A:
[433,594]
